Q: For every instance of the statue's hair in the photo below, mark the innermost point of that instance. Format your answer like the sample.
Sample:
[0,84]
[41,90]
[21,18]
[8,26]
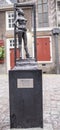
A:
[20,12]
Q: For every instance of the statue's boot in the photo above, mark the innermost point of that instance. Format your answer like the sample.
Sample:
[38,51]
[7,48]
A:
[27,55]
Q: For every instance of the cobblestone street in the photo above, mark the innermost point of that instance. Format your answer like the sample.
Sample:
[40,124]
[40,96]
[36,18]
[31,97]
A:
[51,103]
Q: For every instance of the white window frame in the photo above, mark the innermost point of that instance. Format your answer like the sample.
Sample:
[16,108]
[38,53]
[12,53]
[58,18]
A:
[12,44]
[7,23]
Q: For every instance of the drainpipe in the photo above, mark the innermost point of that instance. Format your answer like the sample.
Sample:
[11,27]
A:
[56,32]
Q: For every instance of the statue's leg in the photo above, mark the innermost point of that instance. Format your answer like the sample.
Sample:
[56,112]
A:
[20,43]
[25,44]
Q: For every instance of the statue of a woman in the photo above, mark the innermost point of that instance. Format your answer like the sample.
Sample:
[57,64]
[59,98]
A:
[20,23]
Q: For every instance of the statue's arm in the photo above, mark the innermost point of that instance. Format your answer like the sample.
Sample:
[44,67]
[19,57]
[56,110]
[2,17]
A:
[15,22]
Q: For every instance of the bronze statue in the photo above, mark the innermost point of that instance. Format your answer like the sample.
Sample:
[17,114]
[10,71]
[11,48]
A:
[20,23]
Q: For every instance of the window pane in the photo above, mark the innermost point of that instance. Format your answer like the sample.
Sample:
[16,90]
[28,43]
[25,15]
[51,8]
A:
[40,25]
[12,25]
[58,4]
[39,8]
[12,20]
[9,21]
[45,8]
[40,18]
[45,17]
[12,15]
[45,1]
[9,25]
[13,44]
[10,44]
[39,1]
[42,1]
[45,24]
[10,41]
[13,40]
[9,15]
[43,20]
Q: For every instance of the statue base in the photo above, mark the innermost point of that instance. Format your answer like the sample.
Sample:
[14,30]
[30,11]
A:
[25,90]
[26,64]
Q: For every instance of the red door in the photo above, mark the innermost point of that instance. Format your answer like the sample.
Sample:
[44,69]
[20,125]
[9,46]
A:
[43,49]
[12,60]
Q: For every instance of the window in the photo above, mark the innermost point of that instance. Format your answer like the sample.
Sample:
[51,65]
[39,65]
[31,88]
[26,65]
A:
[58,5]
[9,20]
[58,13]
[42,13]
[11,43]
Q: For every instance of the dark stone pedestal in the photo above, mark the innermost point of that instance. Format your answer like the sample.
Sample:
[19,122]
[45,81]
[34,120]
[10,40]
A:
[25,90]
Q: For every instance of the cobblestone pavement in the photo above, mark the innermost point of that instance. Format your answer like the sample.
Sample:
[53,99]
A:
[51,103]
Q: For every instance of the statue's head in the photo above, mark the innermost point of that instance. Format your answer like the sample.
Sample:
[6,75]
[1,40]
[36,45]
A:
[21,15]
[20,12]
